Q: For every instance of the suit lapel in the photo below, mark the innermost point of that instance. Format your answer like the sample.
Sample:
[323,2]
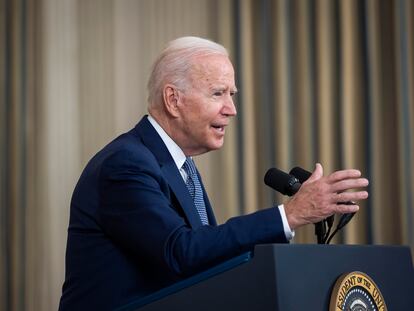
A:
[153,141]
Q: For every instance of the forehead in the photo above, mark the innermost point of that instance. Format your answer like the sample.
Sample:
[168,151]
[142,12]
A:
[212,69]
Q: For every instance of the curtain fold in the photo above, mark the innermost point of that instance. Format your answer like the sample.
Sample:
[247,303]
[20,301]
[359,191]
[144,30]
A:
[341,95]
[14,152]
[329,81]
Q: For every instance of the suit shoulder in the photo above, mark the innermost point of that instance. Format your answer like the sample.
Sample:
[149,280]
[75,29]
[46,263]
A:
[128,149]
[124,151]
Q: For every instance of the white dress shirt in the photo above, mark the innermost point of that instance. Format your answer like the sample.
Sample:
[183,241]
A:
[179,159]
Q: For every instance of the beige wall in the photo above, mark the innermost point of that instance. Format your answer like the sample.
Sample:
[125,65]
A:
[76,77]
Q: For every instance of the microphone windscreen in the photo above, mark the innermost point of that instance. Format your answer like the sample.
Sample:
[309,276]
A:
[300,173]
[280,181]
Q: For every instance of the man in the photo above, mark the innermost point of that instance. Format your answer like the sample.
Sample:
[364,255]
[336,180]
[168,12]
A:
[140,218]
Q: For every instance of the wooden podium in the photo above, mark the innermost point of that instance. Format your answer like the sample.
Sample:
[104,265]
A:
[288,277]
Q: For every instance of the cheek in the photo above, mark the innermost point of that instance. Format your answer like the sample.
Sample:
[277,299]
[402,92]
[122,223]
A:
[201,113]
[210,112]
[201,117]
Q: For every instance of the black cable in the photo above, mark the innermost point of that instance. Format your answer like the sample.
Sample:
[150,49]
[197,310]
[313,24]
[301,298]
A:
[329,223]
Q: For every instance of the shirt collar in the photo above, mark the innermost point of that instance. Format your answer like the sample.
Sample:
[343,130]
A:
[175,151]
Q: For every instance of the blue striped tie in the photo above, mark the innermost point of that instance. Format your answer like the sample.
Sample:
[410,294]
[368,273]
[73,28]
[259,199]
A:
[194,187]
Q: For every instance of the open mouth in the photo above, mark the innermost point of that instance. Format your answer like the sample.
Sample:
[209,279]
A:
[219,128]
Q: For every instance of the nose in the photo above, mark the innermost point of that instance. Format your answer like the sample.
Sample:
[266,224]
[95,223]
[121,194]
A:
[229,109]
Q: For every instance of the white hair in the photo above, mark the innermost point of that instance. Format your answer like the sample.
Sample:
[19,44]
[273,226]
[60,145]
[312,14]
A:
[173,64]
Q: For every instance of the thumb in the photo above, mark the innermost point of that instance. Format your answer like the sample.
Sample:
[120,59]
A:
[317,173]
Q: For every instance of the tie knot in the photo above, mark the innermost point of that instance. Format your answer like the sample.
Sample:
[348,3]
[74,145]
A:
[189,167]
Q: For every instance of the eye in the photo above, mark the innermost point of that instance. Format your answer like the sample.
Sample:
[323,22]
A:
[218,93]
[232,93]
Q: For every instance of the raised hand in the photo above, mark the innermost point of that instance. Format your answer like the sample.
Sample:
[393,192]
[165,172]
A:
[321,196]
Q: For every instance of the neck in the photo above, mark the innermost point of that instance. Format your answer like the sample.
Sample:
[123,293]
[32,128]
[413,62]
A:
[163,121]
[170,126]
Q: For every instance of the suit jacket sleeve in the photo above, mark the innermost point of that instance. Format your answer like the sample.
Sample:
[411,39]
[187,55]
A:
[137,212]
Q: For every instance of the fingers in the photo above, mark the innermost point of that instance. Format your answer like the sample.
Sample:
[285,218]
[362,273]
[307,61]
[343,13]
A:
[346,209]
[347,184]
[317,173]
[320,197]
[349,197]
[344,174]
[337,176]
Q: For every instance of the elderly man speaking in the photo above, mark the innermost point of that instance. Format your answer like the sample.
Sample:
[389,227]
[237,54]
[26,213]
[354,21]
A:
[140,218]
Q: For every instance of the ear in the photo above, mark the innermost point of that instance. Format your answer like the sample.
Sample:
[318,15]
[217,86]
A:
[171,99]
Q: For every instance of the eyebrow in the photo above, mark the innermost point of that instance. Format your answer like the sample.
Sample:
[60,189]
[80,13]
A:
[233,90]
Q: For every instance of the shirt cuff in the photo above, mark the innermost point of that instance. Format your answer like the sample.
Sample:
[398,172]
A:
[288,232]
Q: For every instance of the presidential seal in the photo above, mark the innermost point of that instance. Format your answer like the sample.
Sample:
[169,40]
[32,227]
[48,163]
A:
[356,291]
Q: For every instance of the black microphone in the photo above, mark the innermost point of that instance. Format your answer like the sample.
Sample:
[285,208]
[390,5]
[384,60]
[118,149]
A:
[300,173]
[282,182]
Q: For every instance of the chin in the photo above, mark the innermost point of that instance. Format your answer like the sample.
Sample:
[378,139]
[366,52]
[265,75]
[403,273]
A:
[216,144]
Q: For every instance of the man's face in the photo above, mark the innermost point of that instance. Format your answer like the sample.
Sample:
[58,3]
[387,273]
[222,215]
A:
[206,106]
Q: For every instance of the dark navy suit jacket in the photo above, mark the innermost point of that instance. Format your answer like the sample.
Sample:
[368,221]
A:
[134,227]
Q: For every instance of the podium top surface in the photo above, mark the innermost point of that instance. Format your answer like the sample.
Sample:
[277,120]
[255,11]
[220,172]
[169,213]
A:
[278,274]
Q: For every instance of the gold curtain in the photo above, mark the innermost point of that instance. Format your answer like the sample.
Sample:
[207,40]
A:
[330,82]
[320,81]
